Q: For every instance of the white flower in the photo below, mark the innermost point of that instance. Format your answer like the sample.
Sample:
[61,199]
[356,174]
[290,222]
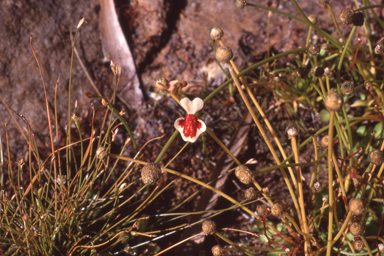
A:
[190,127]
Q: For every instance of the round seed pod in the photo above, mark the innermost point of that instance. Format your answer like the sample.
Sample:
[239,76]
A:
[317,186]
[260,209]
[358,19]
[209,227]
[224,54]
[318,71]
[314,49]
[324,141]
[346,16]
[101,152]
[292,131]
[217,250]
[333,101]
[277,210]
[250,193]
[150,174]
[312,18]
[216,33]
[302,72]
[376,157]
[356,206]
[243,173]
[380,247]
[240,4]
[356,229]
[347,88]
[358,245]
[161,84]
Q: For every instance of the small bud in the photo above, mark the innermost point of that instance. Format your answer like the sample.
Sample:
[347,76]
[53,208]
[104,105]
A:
[346,16]
[327,71]
[150,174]
[356,229]
[318,71]
[356,206]
[367,85]
[314,49]
[302,72]
[347,88]
[312,18]
[358,245]
[243,173]
[311,131]
[324,46]
[379,46]
[333,101]
[104,102]
[260,209]
[358,19]
[292,131]
[376,157]
[209,227]
[250,193]
[216,33]
[325,199]
[224,54]
[276,210]
[101,152]
[217,250]
[75,118]
[80,23]
[240,4]
[161,84]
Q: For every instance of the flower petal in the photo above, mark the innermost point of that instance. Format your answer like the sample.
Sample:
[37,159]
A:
[187,105]
[177,124]
[198,104]
[203,126]
[172,85]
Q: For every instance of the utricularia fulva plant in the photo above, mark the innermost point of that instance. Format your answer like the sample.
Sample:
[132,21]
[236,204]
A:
[283,158]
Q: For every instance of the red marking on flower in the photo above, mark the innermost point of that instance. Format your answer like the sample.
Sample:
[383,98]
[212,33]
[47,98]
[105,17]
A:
[190,127]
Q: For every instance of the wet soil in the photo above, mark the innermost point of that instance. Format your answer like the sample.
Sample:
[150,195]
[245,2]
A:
[167,39]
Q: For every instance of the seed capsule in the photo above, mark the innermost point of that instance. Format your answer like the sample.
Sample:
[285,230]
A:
[101,152]
[260,209]
[314,49]
[209,227]
[216,33]
[312,18]
[217,250]
[292,131]
[356,206]
[376,157]
[356,229]
[346,16]
[276,210]
[240,4]
[311,131]
[150,174]
[358,245]
[333,101]
[358,19]
[243,173]
[161,84]
[327,71]
[324,141]
[302,72]
[381,247]
[379,46]
[318,71]
[347,88]
[224,54]
[317,186]
[250,193]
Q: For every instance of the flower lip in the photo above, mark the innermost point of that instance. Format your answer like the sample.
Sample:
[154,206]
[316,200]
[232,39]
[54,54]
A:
[190,127]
